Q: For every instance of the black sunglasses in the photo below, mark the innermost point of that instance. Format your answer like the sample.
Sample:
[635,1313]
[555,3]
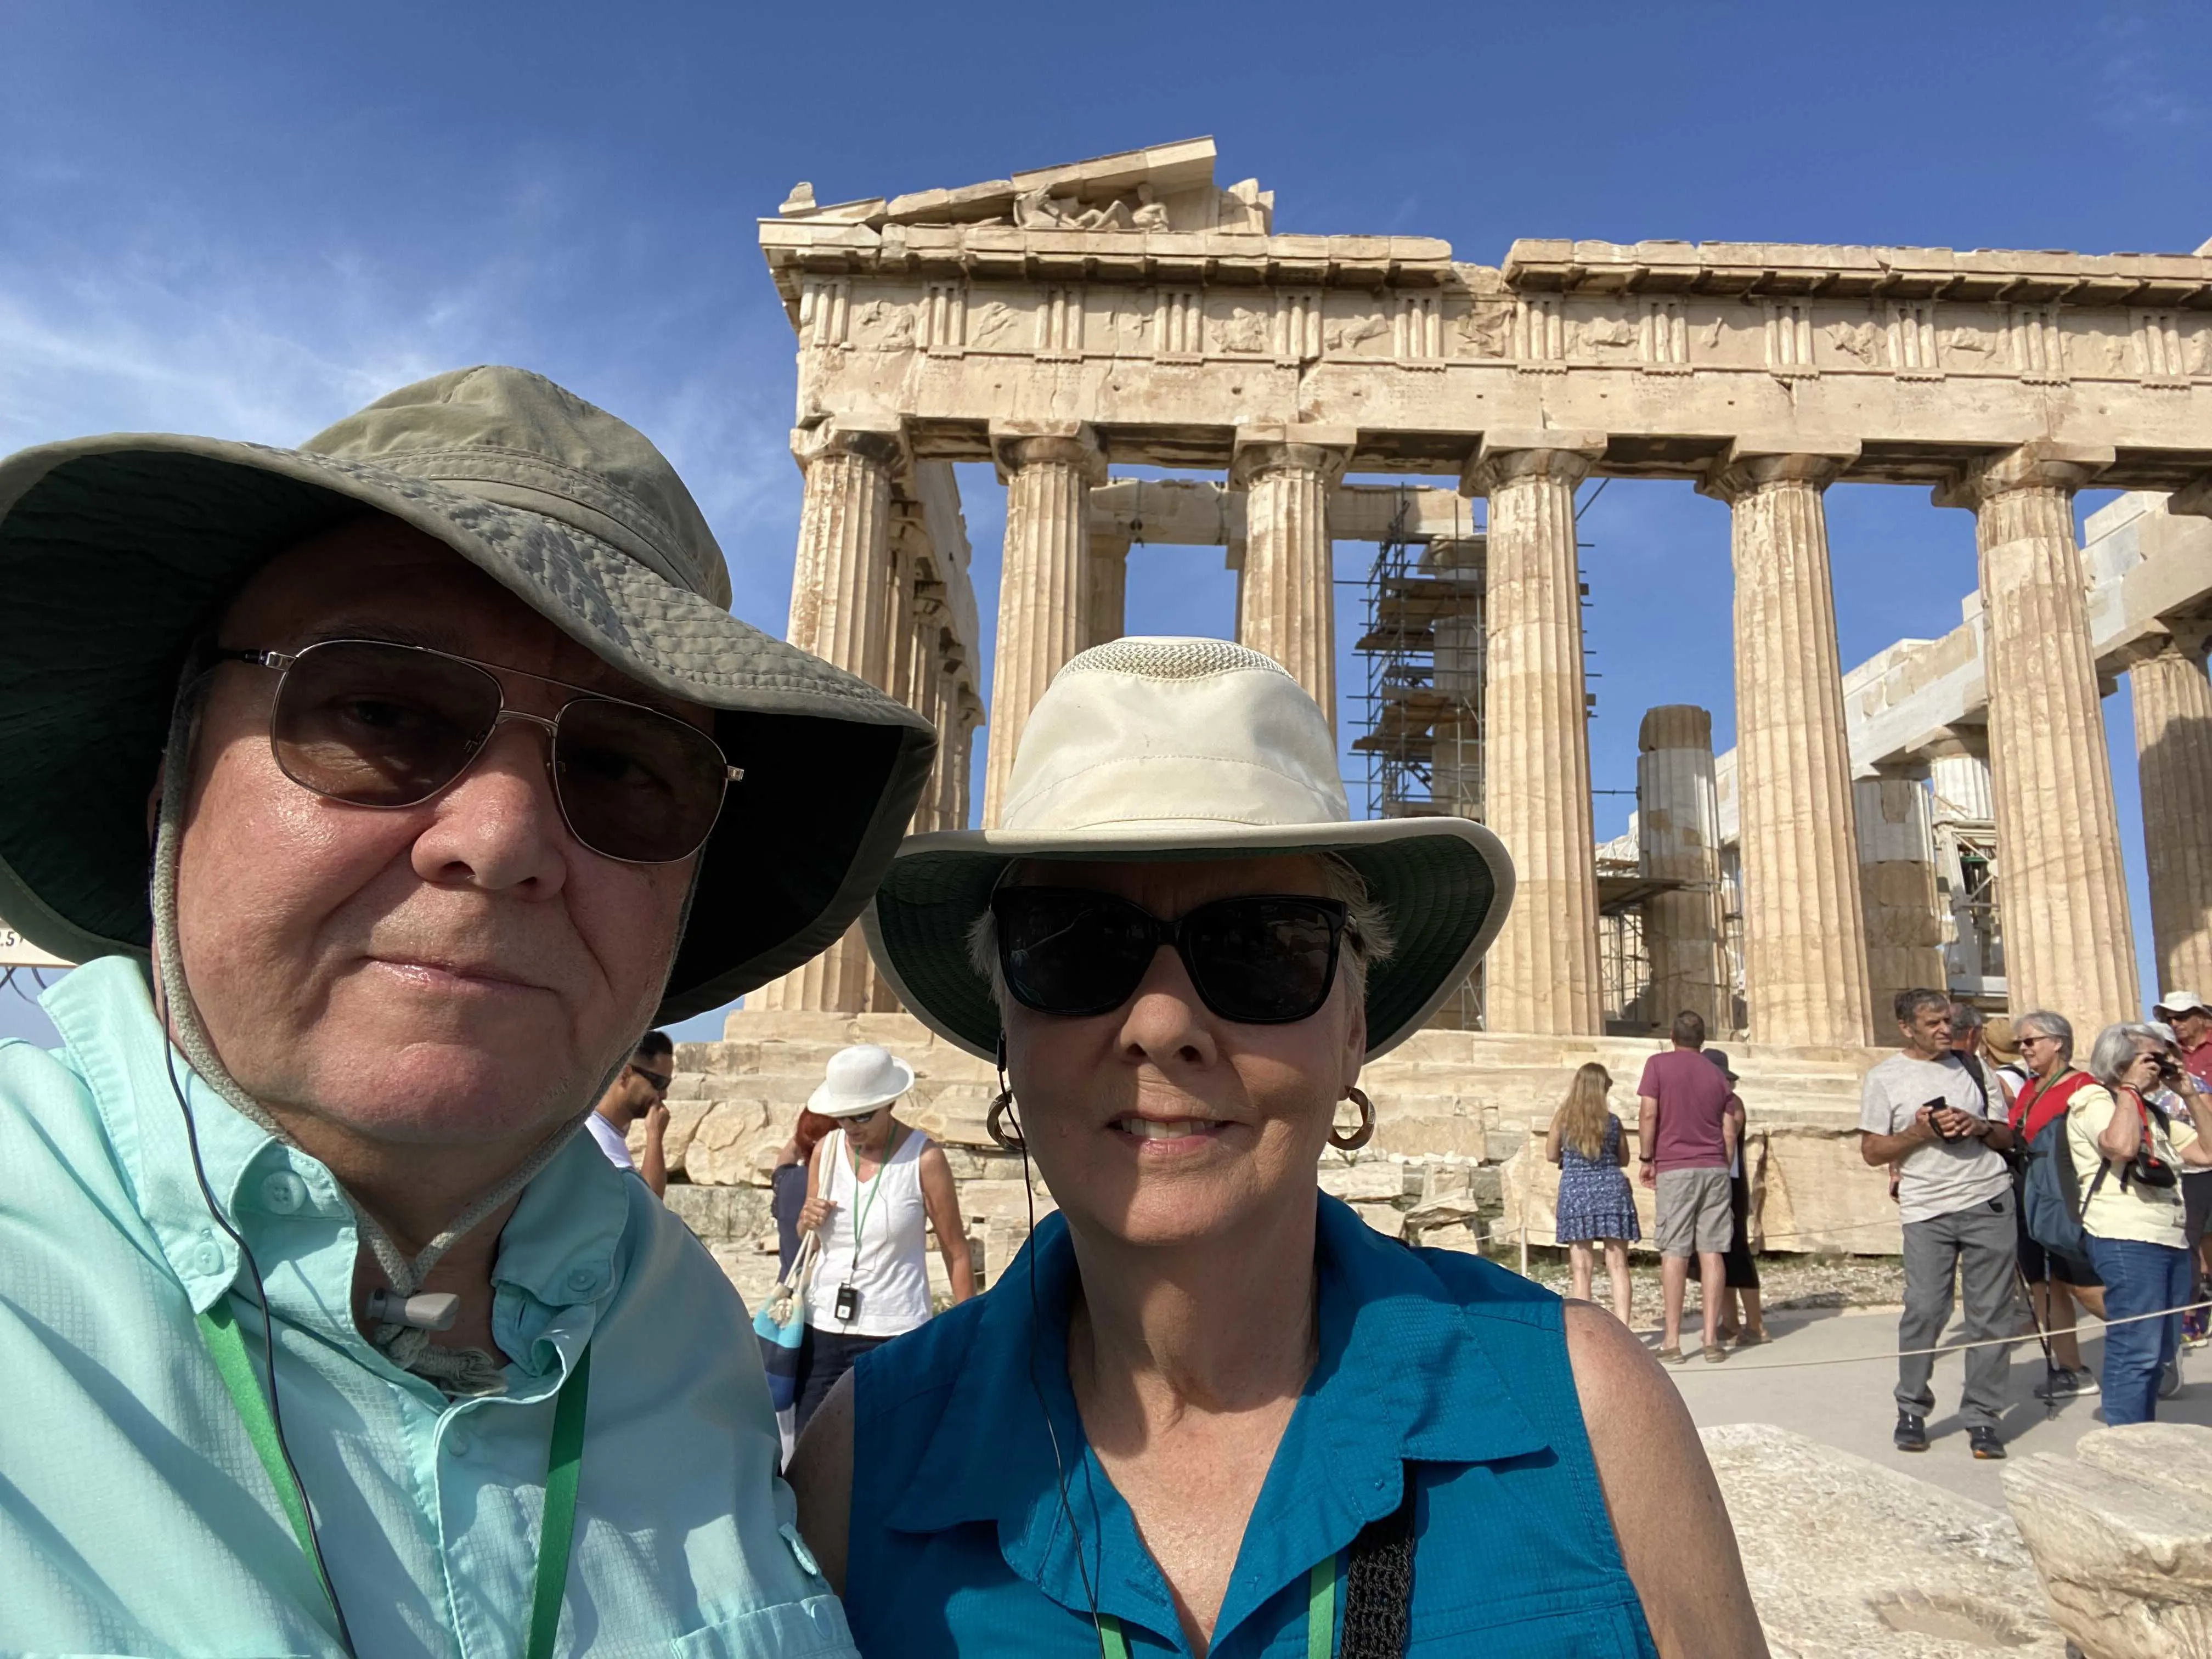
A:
[659,1080]
[1255,959]
[374,723]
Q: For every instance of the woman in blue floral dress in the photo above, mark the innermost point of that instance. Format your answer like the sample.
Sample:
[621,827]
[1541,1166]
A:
[1595,1205]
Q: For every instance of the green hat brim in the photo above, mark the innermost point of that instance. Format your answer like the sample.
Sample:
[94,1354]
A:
[1445,884]
[118,553]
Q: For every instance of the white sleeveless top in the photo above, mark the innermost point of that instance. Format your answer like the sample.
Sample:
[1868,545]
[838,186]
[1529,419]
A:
[891,1271]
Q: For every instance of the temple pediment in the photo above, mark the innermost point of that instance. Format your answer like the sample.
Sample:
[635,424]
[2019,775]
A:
[1163,187]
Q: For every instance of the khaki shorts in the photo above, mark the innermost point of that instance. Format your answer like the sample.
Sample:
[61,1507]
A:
[1694,1217]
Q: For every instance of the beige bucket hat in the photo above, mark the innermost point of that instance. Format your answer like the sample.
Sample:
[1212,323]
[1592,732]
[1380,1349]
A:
[1161,748]
[118,553]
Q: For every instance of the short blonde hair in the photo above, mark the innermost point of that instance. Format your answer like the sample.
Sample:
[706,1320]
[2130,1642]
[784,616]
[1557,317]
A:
[1368,938]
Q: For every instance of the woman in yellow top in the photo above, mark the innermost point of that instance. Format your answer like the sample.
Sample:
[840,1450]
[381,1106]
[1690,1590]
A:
[2128,1149]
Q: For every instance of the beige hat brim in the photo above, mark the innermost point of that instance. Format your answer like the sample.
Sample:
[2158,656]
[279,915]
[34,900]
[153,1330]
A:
[1445,884]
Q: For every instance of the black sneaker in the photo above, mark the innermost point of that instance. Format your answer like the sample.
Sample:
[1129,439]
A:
[1912,1433]
[1984,1443]
[2060,1383]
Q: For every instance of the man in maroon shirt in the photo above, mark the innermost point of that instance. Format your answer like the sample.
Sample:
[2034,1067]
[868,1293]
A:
[1687,1120]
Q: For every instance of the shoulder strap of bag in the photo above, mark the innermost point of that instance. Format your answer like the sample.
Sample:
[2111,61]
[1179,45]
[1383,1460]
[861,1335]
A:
[1973,1065]
[1379,1585]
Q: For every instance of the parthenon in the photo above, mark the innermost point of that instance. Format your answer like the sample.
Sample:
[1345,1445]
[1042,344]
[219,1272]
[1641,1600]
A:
[1126,312]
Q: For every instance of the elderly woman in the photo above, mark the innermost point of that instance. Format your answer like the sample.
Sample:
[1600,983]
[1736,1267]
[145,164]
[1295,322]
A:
[1207,1410]
[2127,1153]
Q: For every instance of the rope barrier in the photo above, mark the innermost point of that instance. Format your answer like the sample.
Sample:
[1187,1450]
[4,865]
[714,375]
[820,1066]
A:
[1954,1347]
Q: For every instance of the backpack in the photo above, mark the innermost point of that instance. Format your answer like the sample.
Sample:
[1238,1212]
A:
[2051,1198]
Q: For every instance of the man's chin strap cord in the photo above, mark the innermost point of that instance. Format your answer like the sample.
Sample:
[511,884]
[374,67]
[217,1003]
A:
[454,1370]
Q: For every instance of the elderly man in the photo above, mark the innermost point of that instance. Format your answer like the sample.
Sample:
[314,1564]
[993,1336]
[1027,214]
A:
[1923,1109]
[324,1331]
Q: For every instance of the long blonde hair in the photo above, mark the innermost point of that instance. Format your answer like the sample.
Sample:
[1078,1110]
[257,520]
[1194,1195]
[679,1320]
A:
[1584,1114]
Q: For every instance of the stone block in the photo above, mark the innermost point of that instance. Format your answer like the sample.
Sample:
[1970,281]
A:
[1457,1237]
[721,1214]
[1368,1180]
[1846,1557]
[1385,1219]
[2121,1533]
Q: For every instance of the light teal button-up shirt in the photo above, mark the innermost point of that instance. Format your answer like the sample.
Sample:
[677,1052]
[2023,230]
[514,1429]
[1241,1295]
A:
[135,1518]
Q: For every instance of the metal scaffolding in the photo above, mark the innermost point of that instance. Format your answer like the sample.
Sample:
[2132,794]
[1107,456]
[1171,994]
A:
[1423,702]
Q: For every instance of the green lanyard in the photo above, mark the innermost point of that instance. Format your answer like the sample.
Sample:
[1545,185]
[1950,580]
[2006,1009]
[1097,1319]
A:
[867,1199]
[226,1345]
[1320,1617]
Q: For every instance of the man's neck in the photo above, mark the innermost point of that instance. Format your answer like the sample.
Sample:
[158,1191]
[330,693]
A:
[616,1113]
[1219,1325]
[1933,1056]
[413,1191]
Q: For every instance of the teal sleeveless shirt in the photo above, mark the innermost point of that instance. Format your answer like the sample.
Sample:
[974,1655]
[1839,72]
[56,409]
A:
[1436,1369]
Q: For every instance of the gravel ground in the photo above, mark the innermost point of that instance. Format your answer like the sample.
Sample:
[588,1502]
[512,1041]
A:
[1786,1281]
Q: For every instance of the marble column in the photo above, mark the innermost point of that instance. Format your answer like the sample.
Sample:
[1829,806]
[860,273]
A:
[840,597]
[1678,820]
[1105,605]
[2173,755]
[964,712]
[900,618]
[1543,973]
[1958,776]
[1286,595]
[2070,944]
[1804,932]
[1050,468]
[1897,890]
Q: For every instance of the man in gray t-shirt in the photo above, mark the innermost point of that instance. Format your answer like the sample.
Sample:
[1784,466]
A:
[1925,1111]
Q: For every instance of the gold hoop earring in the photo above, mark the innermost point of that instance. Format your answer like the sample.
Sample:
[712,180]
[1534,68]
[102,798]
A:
[1356,1138]
[995,1125]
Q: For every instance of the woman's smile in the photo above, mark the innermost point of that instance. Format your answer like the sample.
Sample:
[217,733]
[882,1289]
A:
[1163,1137]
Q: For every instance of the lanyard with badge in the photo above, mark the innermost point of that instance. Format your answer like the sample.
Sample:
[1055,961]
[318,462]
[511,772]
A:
[847,1307]
[226,1345]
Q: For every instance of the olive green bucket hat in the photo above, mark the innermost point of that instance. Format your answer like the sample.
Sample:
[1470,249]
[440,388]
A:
[1165,748]
[118,553]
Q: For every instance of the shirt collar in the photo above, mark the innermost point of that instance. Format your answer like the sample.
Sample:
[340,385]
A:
[1403,1375]
[559,1248]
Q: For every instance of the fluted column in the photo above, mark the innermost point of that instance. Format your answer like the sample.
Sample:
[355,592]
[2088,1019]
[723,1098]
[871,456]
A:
[2070,945]
[1543,969]
[841,600]
[1287,597]
[901,618]
[1897,889]
[1804,933]
[1678,822]
[1105,606]
[1049,469]
[1958,777]
[965,714]
[2173,754]
[931,694]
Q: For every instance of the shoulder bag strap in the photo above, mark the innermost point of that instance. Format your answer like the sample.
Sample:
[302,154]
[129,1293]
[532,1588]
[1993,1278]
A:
[1379,1585]
[226,1345]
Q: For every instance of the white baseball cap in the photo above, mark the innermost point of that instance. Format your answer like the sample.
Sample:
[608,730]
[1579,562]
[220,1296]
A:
[859,1080]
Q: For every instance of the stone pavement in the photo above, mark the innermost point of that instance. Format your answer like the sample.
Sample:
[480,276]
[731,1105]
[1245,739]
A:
[1850,1405]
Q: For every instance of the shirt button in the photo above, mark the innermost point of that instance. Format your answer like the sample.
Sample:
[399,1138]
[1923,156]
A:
[583,1279]
[457,1443]
[208,1258]
[283,1193]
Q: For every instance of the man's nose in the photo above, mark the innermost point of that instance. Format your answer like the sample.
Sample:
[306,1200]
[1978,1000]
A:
[499,826]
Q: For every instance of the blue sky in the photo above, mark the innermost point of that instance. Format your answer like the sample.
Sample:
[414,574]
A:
[249,219]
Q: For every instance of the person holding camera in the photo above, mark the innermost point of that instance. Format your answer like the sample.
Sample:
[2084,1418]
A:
[2132,1208]
[1925,1112]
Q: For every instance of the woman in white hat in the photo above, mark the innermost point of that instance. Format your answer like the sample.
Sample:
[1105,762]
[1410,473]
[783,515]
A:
[1208,1410]
[871,1183]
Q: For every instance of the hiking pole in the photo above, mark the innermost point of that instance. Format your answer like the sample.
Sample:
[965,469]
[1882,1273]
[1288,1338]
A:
[2042,1336]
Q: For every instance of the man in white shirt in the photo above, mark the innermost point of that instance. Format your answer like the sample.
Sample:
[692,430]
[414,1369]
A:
[1924,1109]
[640,1090]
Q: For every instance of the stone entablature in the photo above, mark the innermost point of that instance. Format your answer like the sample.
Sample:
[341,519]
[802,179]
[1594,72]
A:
[1670,350]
